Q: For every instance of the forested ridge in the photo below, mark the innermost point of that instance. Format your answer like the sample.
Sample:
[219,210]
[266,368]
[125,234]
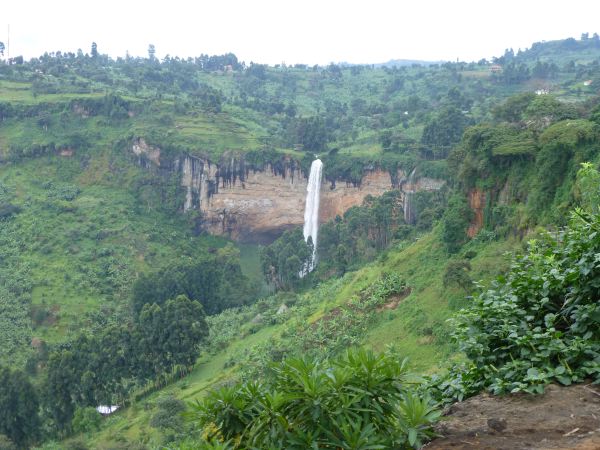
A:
[111,294]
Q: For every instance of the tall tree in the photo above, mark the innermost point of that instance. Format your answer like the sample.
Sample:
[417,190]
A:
[62,377]
[19,406]
[445,128]
[455,223]
[286,259]
[170,335]
[185,330]
[94,50]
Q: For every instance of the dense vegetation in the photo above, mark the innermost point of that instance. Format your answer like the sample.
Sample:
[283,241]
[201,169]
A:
[348,242]
[217,282]
[19,422]
[106,368]
[539,322]
[356,401]
[109,293]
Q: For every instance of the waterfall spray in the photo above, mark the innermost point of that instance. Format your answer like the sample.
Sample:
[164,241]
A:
[311,211]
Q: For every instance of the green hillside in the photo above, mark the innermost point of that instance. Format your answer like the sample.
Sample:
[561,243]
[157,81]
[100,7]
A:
[111,294]
[241,346]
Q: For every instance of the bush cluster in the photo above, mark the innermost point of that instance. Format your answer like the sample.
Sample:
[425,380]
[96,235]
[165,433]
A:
[539,323]
[359,400]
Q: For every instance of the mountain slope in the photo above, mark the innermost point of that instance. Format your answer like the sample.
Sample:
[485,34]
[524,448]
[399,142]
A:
[243,342]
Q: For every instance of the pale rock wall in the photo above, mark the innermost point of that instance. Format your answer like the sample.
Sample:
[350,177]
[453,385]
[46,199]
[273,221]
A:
[265,204]
[141,148]
[258,208]
[338,200]
[262,204]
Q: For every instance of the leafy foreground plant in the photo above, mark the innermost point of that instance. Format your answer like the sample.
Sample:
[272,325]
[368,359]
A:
[540,323]
[359,400]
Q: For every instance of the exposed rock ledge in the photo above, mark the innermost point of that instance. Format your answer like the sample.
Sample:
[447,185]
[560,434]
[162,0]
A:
[260,205]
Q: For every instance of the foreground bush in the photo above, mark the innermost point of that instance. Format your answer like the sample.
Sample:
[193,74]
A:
[538,324]
[357,401]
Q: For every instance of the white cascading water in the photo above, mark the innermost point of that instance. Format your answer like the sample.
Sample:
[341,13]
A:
[311,211]
[409,213]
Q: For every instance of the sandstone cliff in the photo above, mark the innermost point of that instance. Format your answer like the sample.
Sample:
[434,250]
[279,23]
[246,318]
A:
[248,204]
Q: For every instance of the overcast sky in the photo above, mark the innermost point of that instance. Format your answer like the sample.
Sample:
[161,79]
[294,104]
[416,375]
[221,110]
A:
[295,31]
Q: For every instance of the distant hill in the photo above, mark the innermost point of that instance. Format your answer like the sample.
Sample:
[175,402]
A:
[562,52]
[396,63]
[407,62]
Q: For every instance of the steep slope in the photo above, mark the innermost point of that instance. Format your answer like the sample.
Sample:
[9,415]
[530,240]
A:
[77,240]
[243,342]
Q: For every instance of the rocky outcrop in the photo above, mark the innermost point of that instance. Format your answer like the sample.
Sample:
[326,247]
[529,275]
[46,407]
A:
[265,204]
[248,204]
[146,152]
[337,199]
[477,204]
[198,176]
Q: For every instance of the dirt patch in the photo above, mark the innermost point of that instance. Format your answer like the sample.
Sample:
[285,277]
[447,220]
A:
[565,418]
[395,300]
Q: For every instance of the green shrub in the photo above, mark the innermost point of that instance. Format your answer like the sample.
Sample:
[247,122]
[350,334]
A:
[77,444]
[457,274]
[168,415]
[455,222]
[6,443]
[86,420]
[359,400]
[539,323]
[61,191]
[7,210]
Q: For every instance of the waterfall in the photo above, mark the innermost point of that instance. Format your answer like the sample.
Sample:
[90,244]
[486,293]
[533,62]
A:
[198,178]
[409,214]
[187,175]
[311,211]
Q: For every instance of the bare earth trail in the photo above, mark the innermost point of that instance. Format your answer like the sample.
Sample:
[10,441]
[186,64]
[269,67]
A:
[565,418]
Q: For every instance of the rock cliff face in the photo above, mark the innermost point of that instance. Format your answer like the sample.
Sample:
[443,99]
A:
[258,205]
[258,208]
[477,204]
[145,152]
